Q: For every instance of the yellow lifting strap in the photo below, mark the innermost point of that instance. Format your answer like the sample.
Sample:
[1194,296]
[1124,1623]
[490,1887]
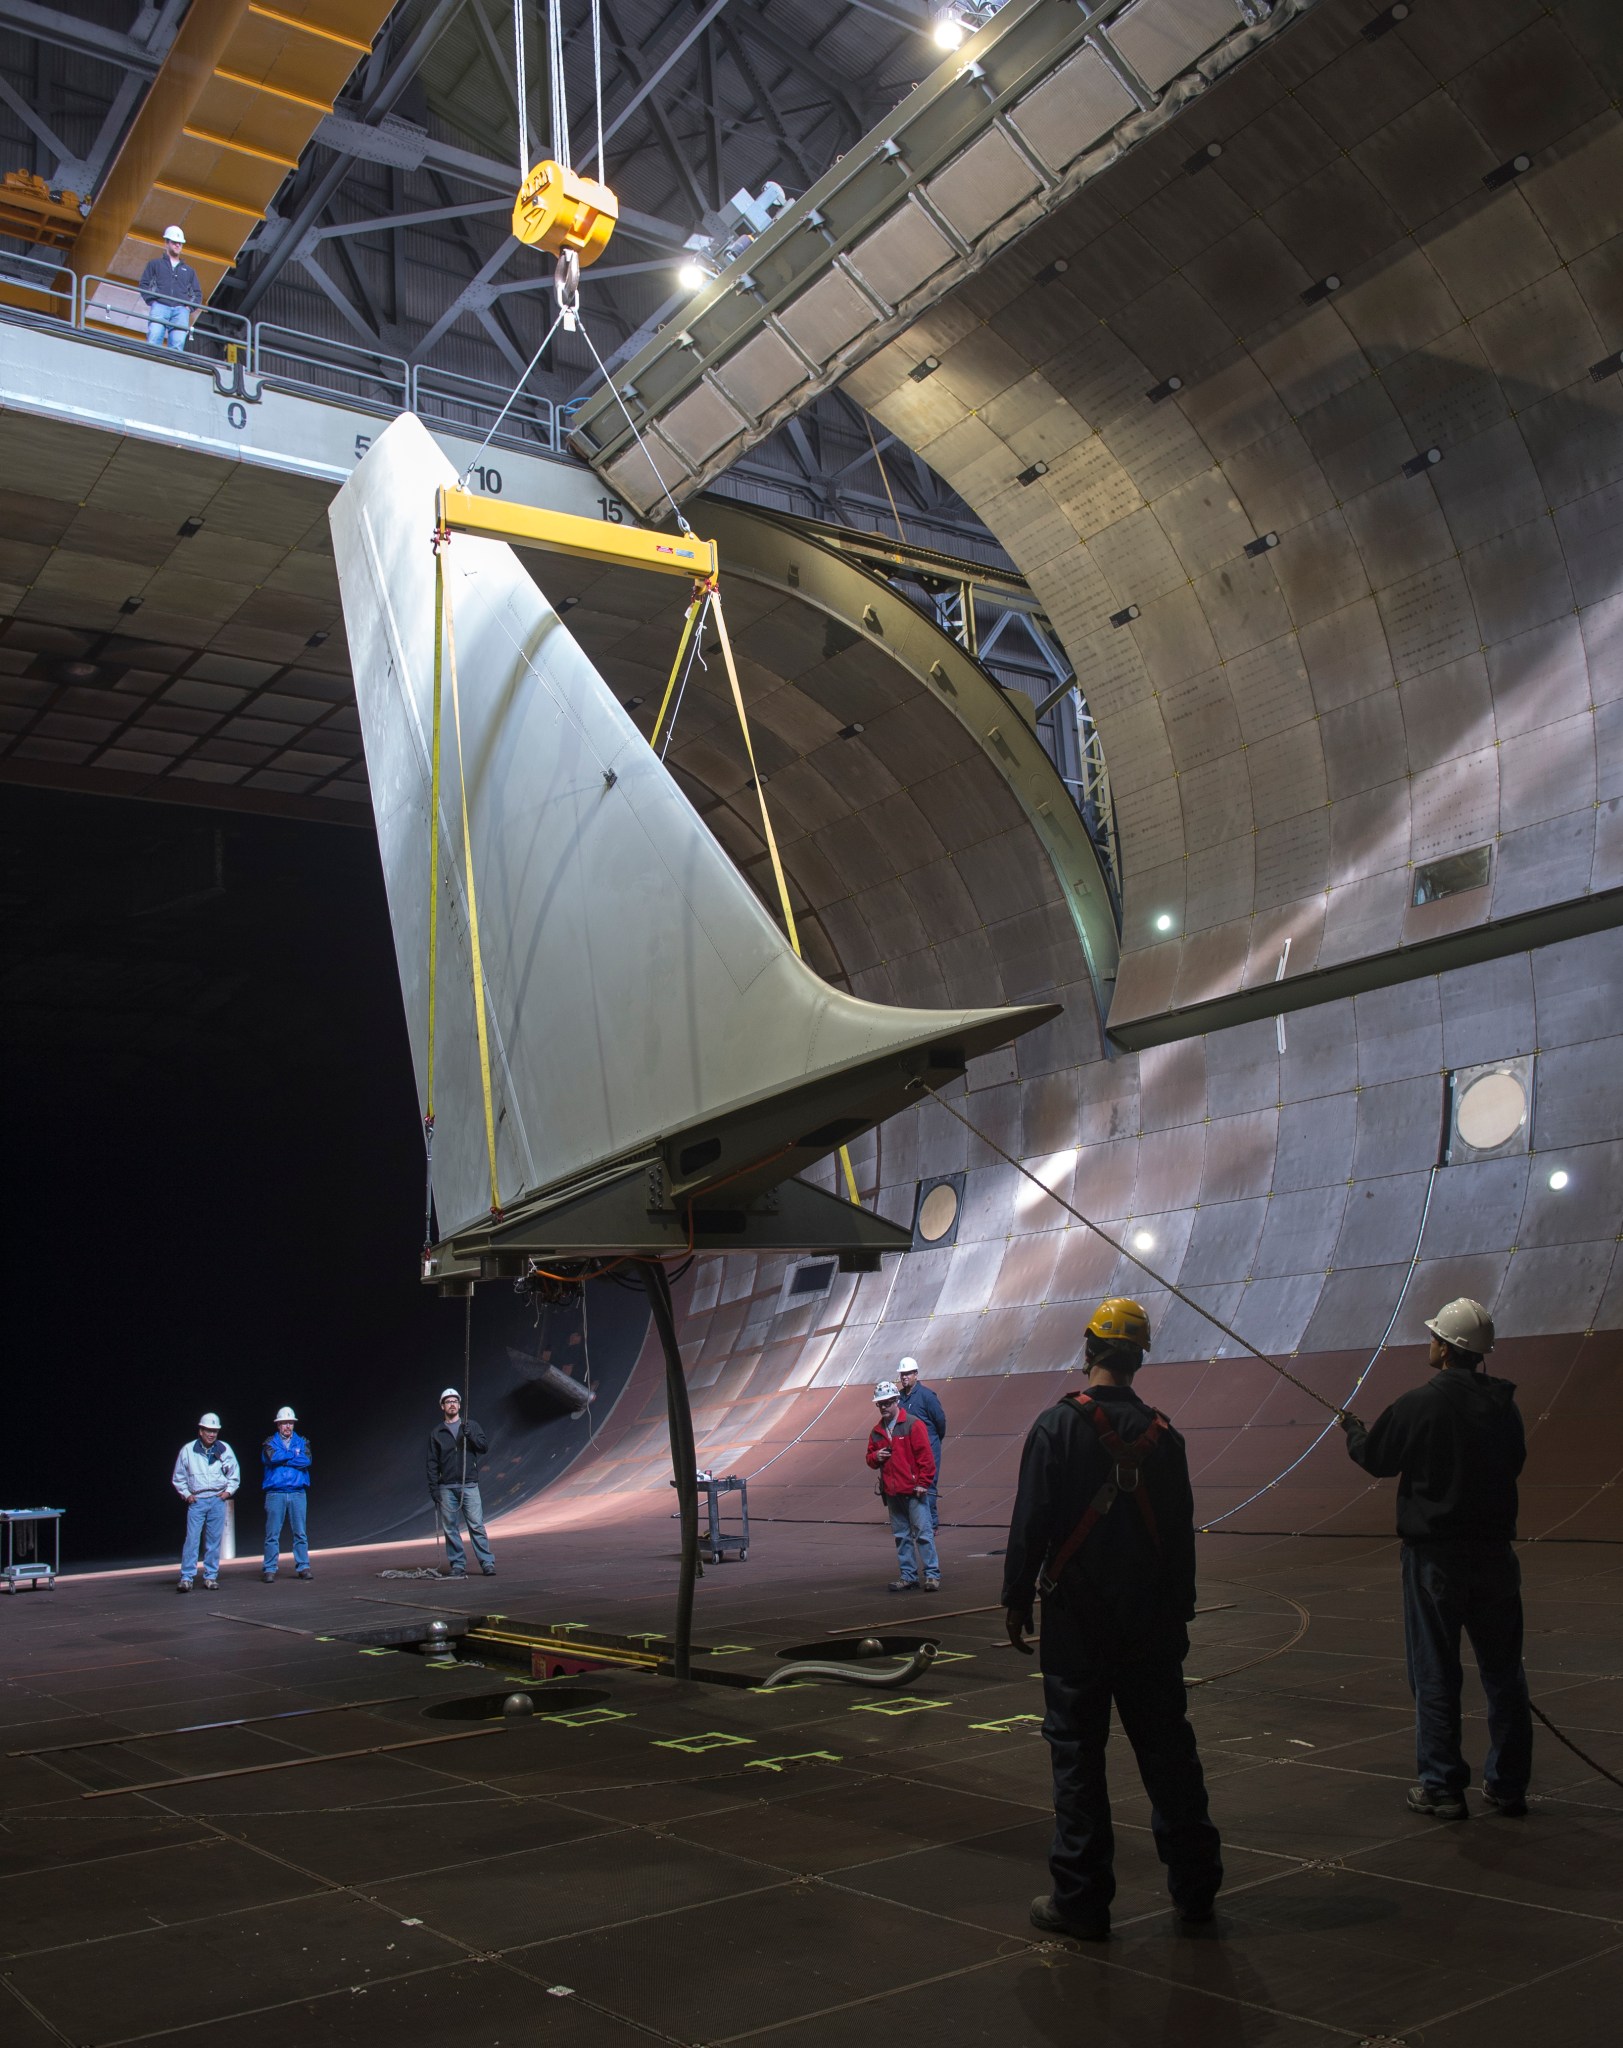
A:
[766,821]
[442,608]
[701,595]
[434,837]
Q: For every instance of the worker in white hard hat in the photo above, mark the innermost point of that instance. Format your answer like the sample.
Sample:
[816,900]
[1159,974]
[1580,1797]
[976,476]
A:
[173,292]
[899,1451]
[206,1475]
[454,1450]
[924,1405]
[1456,1447]
[1104,1530]
[286,1457]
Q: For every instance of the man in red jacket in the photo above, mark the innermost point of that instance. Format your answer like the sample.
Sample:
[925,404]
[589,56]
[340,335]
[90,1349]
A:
[899,1451]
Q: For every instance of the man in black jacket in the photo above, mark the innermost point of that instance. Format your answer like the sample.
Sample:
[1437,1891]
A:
[1104,1529]
[454,1451]
[1456,1446]
[173,292]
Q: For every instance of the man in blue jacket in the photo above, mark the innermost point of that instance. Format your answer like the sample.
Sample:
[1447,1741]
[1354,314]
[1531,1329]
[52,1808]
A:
[924,1405]
[286,1458]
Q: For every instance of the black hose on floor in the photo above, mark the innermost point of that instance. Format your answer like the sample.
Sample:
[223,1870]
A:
[684,1459]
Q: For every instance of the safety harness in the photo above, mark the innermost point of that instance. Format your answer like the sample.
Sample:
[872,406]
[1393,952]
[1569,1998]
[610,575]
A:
[1125,1476]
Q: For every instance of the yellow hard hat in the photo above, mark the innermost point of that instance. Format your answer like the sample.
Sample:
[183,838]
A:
[1122,1320]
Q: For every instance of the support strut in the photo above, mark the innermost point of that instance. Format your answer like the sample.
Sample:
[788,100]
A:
[683,1457]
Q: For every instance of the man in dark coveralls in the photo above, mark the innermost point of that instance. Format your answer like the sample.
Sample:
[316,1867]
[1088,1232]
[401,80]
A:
[1104,1529]
[1456,1447]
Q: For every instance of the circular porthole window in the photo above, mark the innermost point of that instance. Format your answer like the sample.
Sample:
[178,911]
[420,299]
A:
[938,1212]
[1492,1111]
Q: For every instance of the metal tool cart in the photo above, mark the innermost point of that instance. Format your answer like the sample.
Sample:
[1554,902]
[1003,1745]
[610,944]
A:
[716,1539]
[24,1535]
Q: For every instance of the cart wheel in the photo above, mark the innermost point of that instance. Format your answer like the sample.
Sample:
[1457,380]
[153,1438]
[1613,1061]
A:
[50,1585]
[743,1557]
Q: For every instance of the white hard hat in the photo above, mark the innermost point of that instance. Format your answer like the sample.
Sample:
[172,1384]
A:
[286,1415]
[209,1420]
[887,1390]
[174,235]
[1466,1324]
[450,1394]
[908,1365]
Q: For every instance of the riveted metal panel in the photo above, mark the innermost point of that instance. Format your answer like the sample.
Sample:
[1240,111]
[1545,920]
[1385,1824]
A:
[1071,109]
[987,181]
[898,256]
[828,316]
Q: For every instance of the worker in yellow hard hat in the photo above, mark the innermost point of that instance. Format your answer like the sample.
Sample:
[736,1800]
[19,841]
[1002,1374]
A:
[1117,1580]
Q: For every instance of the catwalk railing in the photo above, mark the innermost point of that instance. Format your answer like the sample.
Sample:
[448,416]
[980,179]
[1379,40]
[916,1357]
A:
[111,311]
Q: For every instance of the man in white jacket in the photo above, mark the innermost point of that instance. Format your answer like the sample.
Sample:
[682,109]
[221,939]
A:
[206,1475]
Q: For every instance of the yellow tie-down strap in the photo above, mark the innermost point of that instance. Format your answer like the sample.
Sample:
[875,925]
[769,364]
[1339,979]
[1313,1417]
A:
[567,533]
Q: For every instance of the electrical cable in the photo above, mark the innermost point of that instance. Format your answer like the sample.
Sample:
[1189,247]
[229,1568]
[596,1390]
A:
[1567,1742]
[1160,1280]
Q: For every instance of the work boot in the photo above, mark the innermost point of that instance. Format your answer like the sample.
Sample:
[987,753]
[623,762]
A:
[184,1586]
[932,1585]
[1046,1915]
[1511,1804]
[903,1586]
[269,1578]
[211,1585]
[1438,1805]
[487,1571]
[303,1572]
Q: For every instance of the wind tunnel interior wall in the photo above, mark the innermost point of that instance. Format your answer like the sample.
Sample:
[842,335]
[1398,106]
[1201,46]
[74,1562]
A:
[1430,659]
[1407,245]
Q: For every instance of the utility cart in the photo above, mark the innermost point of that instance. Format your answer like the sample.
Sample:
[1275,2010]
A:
[717,1539]
[25,1535]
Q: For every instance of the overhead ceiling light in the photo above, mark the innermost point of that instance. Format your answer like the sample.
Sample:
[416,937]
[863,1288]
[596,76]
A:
[1143,1241]
[949,31]
[693,277]
[1164,922]
[1559,1178]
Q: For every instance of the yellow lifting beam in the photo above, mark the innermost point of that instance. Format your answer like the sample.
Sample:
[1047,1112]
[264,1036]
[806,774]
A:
[566,533]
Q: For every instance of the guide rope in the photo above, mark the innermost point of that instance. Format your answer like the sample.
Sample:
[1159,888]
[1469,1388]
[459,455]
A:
[440,538]
[1160,1279]
[522,90]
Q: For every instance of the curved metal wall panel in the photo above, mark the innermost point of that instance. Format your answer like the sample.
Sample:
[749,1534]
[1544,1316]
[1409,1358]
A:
[1327,502]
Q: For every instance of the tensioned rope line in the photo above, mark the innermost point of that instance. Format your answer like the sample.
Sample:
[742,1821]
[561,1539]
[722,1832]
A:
[636,433]
[462,480]
[1160,1279]
[522,90]
[1391,1324]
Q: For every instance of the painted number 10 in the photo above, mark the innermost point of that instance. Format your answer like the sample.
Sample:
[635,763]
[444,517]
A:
[489,480]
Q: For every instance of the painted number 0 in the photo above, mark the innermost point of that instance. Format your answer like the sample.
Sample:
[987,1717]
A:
[237,413]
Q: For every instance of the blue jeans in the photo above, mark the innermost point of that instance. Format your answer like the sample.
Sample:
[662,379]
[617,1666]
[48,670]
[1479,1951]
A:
[1475,1588]
[1150,1700]
[205,1523]
[286,1503]
[914,1531]
[465,1498]
[168,326]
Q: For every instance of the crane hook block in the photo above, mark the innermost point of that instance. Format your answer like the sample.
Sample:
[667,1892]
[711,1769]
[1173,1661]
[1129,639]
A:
[560,211]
